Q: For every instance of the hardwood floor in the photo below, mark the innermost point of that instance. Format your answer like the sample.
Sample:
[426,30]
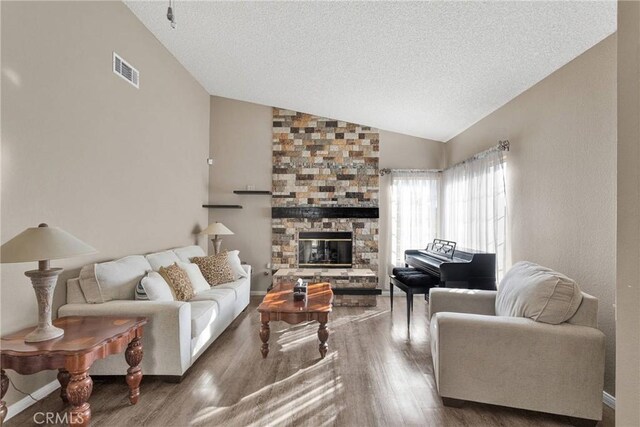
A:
[372,376]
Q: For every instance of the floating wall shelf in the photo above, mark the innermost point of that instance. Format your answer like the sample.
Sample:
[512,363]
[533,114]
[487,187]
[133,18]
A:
[222,206]
[256,192]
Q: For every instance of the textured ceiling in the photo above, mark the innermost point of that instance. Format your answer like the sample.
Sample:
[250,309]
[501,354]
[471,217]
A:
[428,69]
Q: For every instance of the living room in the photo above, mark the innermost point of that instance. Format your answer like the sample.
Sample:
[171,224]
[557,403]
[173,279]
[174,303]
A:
[277,127]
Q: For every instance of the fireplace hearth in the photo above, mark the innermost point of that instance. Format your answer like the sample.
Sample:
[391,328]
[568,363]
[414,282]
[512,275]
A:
[325,249]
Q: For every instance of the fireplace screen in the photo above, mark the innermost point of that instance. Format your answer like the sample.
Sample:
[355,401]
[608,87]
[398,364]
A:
[325,249]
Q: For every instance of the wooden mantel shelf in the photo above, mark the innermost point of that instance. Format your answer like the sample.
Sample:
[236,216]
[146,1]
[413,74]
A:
[222,206]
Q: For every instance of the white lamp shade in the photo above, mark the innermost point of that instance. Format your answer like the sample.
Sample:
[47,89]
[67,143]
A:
[216,228]
[41,244]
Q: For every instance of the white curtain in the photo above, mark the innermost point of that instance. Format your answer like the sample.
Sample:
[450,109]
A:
[475,206]
[414,212]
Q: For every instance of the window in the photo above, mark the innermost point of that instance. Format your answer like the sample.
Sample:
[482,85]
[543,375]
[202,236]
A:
[475,206]
[414,211]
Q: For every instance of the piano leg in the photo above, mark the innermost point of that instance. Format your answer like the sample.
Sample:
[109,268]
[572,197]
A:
[391,294]
[412,302]
[409,299]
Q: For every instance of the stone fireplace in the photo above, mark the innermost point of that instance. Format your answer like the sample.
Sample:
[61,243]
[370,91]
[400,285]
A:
[325,180]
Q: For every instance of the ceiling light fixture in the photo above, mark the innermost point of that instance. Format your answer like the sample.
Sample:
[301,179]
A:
[170,16]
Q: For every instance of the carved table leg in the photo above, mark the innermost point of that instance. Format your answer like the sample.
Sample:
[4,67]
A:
[264,336]
[133,355]
[323,335]
[4,386]
[78,392]
[63,379]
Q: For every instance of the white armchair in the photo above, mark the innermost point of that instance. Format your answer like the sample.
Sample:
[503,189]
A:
[516,361]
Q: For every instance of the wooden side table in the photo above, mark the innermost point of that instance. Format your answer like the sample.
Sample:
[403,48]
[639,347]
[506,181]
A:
[85,340]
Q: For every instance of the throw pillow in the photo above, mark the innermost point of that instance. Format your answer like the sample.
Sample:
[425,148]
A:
[196,278]
[539,293]
[141,294]
[89,285]
[236,265]
[215,268]
[153,287]
[179,281]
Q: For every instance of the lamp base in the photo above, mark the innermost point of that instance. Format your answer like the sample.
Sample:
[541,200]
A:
[44,282]
[217,244]
[44,334]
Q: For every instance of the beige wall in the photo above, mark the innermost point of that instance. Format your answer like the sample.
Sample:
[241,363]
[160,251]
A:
[240,145]
[628,259]
[122,169]
[398,151]
[561,169]
[241,139]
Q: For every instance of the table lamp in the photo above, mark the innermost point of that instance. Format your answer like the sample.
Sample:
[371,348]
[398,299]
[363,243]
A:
[43,243]
[217,229]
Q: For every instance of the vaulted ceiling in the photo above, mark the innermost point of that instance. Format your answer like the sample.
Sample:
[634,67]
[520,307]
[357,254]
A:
[429,69]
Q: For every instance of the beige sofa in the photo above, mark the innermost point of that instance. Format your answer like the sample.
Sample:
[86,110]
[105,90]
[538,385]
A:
[516,361]
[177,332]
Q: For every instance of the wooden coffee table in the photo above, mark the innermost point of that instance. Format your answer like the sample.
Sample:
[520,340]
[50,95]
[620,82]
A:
[278,304]
[85,340]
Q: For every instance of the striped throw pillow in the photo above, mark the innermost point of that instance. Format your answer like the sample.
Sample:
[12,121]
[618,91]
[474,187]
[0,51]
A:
[141,294]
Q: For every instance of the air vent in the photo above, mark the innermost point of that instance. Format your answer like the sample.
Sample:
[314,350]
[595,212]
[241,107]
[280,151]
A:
[125,70]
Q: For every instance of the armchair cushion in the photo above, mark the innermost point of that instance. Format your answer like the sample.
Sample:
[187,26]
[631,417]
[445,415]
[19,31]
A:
[538,293]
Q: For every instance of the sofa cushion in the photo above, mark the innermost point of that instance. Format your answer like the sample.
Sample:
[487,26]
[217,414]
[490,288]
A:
[178,280]
[198,282]
[162,259]
[215,268]
[237,286]
[153,287]
[202,314]
[220,295]
[186,253]
[539,293]
[117,279]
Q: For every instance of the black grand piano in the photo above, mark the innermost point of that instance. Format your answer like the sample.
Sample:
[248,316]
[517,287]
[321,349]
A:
[453,267]
[442,264]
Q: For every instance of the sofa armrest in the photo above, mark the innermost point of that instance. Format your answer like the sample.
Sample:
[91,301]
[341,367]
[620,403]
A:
[247,268]
[474,301]
[167,334]
[517,362]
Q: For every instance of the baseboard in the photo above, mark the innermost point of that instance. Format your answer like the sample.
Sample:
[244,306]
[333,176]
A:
[25,402]
[609,400]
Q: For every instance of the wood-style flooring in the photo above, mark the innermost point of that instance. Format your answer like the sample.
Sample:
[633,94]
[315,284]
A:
[373,375]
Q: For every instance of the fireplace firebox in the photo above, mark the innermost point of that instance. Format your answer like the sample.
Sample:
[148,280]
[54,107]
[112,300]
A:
[325,249]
